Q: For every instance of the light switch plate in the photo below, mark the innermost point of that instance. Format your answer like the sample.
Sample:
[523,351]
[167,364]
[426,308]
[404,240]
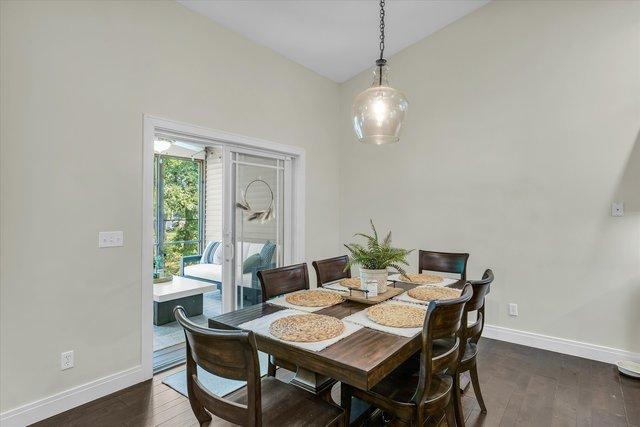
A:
[513,309]
[110,239]
[617,209]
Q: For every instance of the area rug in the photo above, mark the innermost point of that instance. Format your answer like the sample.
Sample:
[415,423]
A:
[215,384]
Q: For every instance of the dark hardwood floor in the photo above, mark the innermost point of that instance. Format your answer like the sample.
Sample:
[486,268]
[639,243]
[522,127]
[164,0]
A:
[522,386]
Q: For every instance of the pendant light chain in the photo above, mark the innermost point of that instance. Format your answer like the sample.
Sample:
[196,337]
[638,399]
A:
[381,29]
[381,62]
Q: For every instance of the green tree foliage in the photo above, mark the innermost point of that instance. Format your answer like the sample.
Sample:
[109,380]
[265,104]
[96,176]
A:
[181,197]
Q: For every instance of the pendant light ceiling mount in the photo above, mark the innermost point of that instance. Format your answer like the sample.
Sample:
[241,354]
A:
[379,111]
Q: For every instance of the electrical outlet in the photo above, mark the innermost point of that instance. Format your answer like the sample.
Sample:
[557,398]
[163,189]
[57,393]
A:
[110,239]
[513,309]
[66,360]
[617,209]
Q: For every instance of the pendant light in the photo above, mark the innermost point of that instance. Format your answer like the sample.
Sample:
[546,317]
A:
[379,111]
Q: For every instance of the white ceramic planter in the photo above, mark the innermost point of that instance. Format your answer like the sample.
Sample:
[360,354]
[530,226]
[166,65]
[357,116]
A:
[379,276]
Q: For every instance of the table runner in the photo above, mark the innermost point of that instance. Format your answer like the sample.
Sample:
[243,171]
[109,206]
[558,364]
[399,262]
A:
[336,286]
[261,326]
[405,297]
[361,318]
[446,281]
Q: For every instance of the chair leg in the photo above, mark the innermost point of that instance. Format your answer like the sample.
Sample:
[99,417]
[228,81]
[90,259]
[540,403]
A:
[271,368]
[476,388]
[420,417]
[345,402]
[457,401]
[198,410]
[449,412]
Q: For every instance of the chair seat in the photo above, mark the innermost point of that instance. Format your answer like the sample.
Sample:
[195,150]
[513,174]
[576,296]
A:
[287,405]
[400,386]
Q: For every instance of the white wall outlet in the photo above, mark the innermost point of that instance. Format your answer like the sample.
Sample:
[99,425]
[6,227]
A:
[617,209]
[110,239]
[513,309]
[66,360]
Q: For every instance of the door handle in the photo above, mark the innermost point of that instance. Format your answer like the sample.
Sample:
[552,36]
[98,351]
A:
[229,248]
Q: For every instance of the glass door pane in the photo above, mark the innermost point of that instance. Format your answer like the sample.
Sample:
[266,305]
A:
[258,222]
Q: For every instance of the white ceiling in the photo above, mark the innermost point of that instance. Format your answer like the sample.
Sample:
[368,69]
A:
[337,39]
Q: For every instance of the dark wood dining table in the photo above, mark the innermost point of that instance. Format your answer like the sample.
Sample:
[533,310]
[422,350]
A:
[361,359]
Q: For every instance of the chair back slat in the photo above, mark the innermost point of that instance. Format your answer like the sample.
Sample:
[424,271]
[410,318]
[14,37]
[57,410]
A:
[282,280]
[443,262]
[219,355]
[443,321]
[331,269]
[480,289]
[230,411]
[230,354]
[446,320]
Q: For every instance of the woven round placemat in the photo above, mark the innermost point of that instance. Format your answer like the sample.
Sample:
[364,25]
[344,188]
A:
[397,315]
[314,298]
[430,293]
[422,278]
[306,328]
[351,283]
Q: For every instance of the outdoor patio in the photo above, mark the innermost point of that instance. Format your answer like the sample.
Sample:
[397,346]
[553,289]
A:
[171,333]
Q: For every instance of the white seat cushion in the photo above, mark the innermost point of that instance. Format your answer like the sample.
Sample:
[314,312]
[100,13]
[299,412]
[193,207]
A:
[204,271]
[212,272]
[247,249]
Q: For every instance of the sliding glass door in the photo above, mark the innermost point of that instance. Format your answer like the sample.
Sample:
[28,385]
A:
[257,231]
[178,211]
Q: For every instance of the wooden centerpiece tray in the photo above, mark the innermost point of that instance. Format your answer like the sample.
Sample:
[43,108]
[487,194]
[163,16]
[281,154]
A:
[360,295]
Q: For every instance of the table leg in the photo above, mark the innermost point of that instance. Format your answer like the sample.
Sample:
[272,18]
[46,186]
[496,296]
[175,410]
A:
[313,382]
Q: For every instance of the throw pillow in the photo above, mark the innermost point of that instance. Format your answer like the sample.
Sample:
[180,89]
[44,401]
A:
[207,254]
[251,263]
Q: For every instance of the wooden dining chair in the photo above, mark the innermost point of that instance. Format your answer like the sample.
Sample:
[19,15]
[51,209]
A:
[469,336]
[232,354]
[443,262]
[410,395]
[331,269]
[282,280]
[278,281]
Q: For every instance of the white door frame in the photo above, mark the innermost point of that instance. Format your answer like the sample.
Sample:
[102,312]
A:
[211,137]
[229,232]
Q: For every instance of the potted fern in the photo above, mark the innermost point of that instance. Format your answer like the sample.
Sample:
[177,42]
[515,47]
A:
[376,257]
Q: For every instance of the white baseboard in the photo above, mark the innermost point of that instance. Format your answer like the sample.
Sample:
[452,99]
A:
[559,345]
[52,405]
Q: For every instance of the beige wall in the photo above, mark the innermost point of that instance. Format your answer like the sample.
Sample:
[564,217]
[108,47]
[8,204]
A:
[76,80]
[522,129]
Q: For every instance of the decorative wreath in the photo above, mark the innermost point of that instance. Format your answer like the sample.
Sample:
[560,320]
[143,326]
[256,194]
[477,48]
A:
[261,215]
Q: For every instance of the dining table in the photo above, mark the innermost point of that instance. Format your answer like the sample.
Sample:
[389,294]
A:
[361,359]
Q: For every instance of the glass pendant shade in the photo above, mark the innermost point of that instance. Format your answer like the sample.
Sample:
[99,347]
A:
[378,112]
